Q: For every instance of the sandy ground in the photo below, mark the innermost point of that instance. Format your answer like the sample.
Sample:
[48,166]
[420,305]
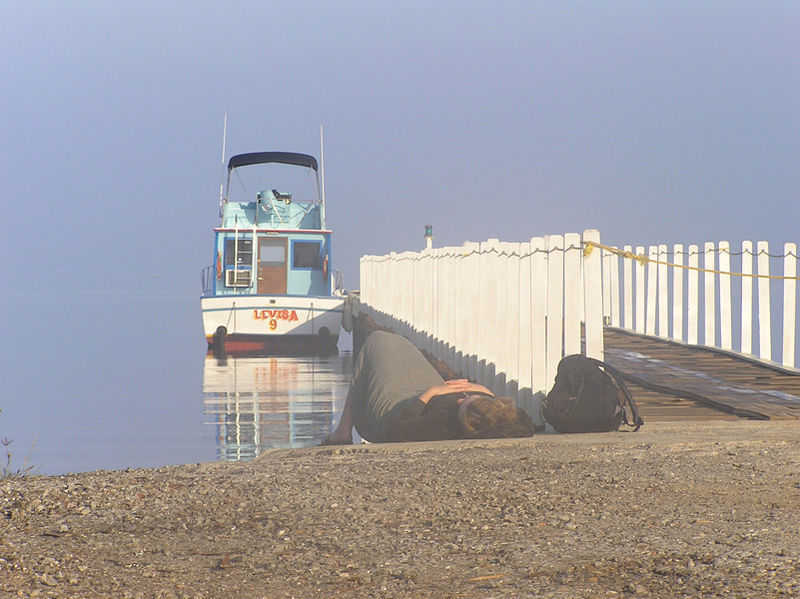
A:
[700,509]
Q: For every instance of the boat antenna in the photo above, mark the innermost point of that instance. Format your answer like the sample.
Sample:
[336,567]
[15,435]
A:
[222,169]
[322,172]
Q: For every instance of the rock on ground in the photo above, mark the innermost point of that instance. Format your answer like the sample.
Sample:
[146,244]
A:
[674,510]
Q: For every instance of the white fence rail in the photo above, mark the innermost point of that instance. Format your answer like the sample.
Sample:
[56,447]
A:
[503,314]
[704,295]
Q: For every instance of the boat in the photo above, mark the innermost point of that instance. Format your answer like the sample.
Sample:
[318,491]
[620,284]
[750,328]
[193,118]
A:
[271,287]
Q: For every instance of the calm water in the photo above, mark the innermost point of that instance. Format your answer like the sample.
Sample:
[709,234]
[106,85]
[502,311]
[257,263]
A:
[113,374]
[253,404]
[239,408]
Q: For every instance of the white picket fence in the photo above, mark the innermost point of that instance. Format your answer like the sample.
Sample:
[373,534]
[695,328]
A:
[503,314]
[670,293]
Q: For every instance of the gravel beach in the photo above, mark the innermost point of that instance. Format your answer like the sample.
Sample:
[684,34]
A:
[678,509]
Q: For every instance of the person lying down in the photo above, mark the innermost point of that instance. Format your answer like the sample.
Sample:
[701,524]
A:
[396,395]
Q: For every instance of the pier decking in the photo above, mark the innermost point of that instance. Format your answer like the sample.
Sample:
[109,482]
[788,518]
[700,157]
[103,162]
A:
[675,381]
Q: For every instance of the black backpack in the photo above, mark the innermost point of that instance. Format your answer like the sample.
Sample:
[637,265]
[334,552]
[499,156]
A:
[589,396]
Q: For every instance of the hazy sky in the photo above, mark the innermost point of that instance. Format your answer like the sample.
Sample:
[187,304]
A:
[654,122]
[650,121]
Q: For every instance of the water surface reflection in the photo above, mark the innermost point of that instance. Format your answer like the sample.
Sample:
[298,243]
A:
[258,403]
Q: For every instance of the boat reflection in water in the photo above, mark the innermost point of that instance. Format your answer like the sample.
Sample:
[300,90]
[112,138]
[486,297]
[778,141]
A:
[269,402]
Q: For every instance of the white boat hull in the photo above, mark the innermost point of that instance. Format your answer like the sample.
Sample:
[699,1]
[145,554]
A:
[280,323]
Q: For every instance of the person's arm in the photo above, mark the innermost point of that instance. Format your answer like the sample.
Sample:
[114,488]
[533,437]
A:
[453,386]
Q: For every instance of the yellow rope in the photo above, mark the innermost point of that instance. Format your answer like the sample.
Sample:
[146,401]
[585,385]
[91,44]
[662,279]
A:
[642,259]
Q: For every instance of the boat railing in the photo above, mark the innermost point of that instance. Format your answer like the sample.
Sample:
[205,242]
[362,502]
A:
[207,280]
[338,281]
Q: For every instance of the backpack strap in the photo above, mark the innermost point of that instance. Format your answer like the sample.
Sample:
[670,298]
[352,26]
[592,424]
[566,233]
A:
[636,420]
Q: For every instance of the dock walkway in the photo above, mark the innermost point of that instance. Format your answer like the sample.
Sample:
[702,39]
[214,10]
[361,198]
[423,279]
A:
[720,380]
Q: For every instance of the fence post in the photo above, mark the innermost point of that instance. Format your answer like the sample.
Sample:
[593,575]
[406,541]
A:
[539,280]
[605,257]
[389,300]
[663,293]
[384,271]
[411,258]
[379,271]
[677,292]
[593,298]
[461,324]
[394,300]
[370,276]
[443,311]
[627,275]
[473,293]
[709,317]
[652,283]
[525,357]
[573,296]
[746,344]
[764,322]
[408,303]
[789,302]
[693,299]
[466,322]
[555,304]
[640,297]
[512,319]
[498,302]
[613,266]
[417,298]
[404,300]
[363,278]
[500,309]
[725,295]
[426,305]
[489,302]
[455,303]
[426,299]
[451,306]
[435,301]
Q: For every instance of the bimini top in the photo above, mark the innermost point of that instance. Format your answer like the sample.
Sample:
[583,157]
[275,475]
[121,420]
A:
[267,157]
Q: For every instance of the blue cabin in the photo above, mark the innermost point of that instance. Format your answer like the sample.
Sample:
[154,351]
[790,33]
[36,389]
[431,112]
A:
[272,246]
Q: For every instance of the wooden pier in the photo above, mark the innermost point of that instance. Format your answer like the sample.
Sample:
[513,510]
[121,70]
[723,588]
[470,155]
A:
[651,311]
[671,380]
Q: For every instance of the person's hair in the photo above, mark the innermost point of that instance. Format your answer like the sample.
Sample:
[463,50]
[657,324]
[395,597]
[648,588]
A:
[495,417]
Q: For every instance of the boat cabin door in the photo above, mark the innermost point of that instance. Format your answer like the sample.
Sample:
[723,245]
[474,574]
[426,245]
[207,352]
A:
[272,265]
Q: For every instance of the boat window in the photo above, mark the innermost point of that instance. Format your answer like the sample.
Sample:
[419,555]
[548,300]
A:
[271,253]
[306,254]
[245,252]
